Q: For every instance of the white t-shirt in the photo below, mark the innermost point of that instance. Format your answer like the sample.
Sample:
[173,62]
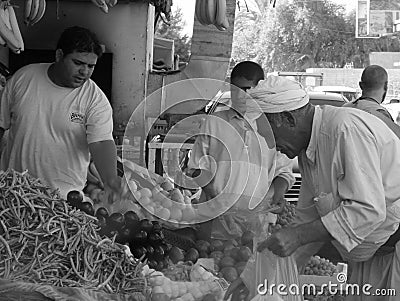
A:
[50,127]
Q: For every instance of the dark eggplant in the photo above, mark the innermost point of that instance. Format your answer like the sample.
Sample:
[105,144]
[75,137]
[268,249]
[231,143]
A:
[166,247]
[146,225]
[74,198]
[155,237]
[125,235]
[159,253]
[101,221]
[156,226]
[150,252]
[140,237]
[116,221]
[87,208]
[102,212]
[131,219]
[160,265]
[152,264]
[138,252]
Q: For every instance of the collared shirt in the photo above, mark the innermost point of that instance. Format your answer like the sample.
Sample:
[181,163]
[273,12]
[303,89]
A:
[239,158]
[354,161]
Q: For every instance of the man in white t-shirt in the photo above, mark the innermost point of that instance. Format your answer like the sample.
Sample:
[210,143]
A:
[57,117]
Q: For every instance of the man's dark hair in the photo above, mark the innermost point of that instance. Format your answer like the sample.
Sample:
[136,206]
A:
[249,70]
[373,77]
[79,39]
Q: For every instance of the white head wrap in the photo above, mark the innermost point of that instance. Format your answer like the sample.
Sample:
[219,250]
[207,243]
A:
[276,94]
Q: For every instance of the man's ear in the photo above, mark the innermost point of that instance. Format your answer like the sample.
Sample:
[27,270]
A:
[361,84]
[288,118]
[59,55]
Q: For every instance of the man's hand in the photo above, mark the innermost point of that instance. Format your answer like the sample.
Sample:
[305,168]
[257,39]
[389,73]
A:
[282,243]
[238,291]
[113,188]
[278,201]
[280,185]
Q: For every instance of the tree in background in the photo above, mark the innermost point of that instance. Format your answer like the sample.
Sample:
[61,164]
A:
[297,35]
[173,30]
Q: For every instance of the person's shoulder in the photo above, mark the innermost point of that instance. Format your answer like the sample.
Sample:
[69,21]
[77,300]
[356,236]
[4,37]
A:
[339,117]
[28,75]
[96,94]
[351,104]
[31,69]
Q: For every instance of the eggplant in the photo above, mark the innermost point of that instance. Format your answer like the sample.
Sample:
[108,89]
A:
[152,264]
[138,252]
[125,235]
[87,208]
[166,247]
[155,237]
[156,226]
[150,252]
[102,212]
[116,221]
[131,219]
[74,198]
[140,237]
[160,265]
[146,225]
[101,222]
[159,253]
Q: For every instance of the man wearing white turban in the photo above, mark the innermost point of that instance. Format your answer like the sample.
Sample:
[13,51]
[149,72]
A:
[350,191]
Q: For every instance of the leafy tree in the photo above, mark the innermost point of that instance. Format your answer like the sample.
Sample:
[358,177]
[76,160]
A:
[296,35]
[174,30]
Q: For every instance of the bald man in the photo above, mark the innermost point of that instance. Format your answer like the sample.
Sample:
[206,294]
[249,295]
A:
[374,81]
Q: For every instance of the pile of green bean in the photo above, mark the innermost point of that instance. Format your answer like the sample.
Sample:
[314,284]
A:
[43,240]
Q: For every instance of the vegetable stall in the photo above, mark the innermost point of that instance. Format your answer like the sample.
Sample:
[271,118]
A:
[119,249]
[142,245]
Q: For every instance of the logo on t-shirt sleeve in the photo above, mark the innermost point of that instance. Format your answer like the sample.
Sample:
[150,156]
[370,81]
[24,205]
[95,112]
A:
[77,117]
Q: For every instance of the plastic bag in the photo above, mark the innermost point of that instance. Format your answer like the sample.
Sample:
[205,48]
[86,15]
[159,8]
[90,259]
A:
[233,223]
[265,272]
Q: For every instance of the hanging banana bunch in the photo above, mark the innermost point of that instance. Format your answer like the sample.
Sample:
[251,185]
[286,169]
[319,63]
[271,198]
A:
[34,11]
[10,34]
[104,4]
[212,12]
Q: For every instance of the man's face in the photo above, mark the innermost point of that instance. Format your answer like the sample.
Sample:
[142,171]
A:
[76,68]
[288,140]
[239,87]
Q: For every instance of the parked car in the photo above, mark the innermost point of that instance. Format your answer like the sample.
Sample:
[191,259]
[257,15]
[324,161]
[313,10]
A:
[348,92]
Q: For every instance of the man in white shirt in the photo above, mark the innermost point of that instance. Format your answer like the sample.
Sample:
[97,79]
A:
[233,162]
[57,117]
[350,191]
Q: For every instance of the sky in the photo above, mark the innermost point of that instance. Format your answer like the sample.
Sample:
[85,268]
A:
[187,7]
